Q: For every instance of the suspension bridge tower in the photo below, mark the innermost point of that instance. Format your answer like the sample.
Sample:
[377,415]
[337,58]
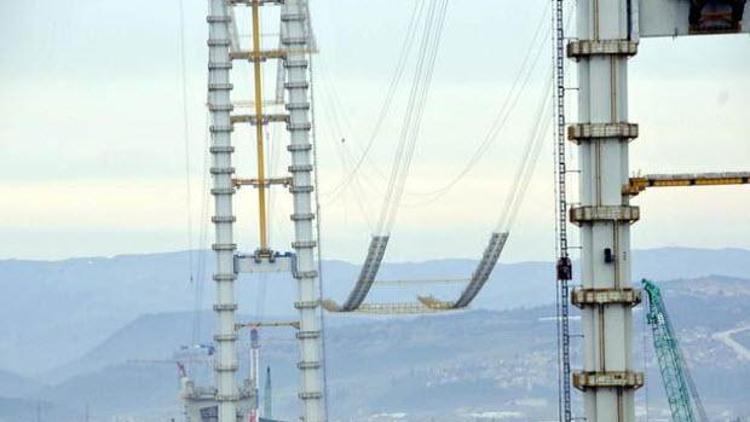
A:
[608,34]
[293,53]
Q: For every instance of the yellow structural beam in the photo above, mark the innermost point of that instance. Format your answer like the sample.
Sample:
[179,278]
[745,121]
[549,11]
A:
[260,139]
[639,183]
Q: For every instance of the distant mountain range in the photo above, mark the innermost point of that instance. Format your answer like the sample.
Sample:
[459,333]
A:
[441,367]
[16,386]
[80,332]
[56,311]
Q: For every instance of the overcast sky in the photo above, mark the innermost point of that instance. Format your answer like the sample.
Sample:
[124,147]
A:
[93,157]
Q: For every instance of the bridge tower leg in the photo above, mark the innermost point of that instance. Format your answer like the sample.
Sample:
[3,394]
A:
[296,40]
[220,106]
[606,296]
[296,46]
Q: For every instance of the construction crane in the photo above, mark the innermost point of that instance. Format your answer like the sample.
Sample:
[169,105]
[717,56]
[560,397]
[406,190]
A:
[181,371]
[682,394]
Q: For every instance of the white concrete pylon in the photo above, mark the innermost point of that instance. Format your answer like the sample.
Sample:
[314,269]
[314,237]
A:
[296,41]
[295,38]
[602,49]
[220,106]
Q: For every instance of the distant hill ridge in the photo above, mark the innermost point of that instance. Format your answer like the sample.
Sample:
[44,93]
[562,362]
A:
[13,385]
[86,299]
[479,359]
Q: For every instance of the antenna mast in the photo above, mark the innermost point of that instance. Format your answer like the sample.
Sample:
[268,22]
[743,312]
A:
[268,396]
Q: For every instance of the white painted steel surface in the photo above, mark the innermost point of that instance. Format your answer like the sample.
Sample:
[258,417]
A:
[295,38]
[607,330]
[219,103]
[250,264]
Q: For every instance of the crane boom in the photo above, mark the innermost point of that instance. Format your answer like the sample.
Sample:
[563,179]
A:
[638,184]
[682,395]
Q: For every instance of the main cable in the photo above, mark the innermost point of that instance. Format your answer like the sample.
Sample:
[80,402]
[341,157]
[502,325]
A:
[398,162]
[529,159]
[518,87]
[434,25]
[390,94]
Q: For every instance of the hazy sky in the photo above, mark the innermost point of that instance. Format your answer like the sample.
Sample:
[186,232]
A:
[93,158]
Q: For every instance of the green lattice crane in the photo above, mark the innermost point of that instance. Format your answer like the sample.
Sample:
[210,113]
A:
[682,394]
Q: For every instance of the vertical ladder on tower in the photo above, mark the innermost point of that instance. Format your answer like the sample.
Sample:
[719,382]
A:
[564,267]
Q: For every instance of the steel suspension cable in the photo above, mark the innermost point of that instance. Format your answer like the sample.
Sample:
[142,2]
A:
[390,93]
[356,185]
[528,164]
[497,241]
[398,161]
[412,123]
[518,87]
[186,137]
[431,34]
